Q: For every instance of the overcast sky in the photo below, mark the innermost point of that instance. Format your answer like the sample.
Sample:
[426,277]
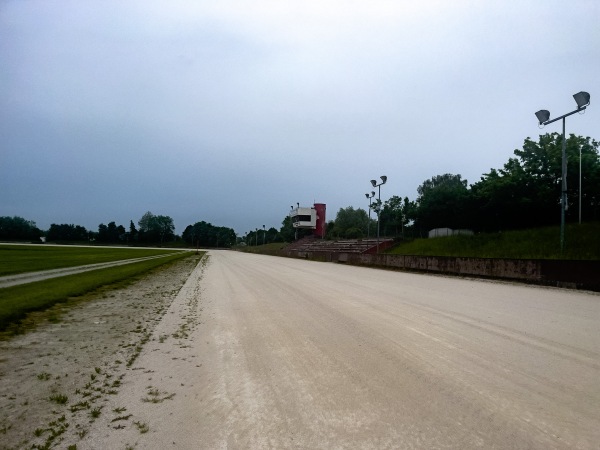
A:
[232,111]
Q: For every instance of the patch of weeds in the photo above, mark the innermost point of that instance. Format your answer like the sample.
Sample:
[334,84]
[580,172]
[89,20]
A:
[142,426]
[59,398]
[72,447]
[155,396]
[119,410]
[182,333]
[56,429]
[116,419]
[131,360]
[82,433]
[95,413]
[39,431]
[43,376]
[79,406]
[162,338]
[98,370]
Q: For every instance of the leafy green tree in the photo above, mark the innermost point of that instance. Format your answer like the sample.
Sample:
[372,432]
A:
[111,233]
[353,233]
[442,202]
[287,230]
[165,228]
[206,235]
[331,231]
[155,228]
[526,192]
[273,235]
[133,232]
[395,215]
[102,233]
[16,229]
[349,220]
[65,232]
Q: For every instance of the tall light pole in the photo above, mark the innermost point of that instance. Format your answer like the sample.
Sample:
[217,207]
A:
[580,184]
[583,100]
[369,222]
[264,234]
[374,184]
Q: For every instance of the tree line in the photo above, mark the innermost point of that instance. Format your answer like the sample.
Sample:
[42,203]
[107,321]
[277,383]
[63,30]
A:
[151,229]
[524,193]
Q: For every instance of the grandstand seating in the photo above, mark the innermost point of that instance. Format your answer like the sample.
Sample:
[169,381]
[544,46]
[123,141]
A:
[312,244]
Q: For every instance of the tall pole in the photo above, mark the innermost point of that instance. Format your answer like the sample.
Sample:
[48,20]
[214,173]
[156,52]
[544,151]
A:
[264,234]
[369,222]
[563,201]
[580,185]
[378,185]
[378,213]
[583,100]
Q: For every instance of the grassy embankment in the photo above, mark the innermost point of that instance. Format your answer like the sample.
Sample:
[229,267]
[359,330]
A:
[582,242]
[17,301]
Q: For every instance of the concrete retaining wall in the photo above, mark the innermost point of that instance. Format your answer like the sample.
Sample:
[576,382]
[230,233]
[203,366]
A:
[572,274]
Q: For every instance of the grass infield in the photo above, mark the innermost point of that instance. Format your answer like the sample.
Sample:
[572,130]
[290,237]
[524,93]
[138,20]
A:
[31,258]
[17,301]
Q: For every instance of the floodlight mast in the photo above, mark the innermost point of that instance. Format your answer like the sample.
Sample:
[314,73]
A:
[374,184]
[583,100]
[369,222]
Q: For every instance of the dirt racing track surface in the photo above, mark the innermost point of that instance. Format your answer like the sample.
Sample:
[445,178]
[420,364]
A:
[249,351]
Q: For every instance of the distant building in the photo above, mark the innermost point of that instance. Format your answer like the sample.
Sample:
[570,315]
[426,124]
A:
[313,218]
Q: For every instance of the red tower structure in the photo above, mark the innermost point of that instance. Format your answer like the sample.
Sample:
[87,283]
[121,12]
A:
[313,218]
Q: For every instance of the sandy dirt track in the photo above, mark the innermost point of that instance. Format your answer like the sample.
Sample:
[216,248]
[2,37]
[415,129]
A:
[263,352]
[298,354]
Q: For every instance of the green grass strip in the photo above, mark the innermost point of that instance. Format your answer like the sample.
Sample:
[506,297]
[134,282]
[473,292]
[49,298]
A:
[31,258]
[582,242]
[17,301]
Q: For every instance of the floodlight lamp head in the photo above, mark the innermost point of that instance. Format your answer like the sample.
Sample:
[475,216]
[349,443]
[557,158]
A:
[543,115]
[383,179]
[374,183]
[367,195]
[582,99]
[372,193]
